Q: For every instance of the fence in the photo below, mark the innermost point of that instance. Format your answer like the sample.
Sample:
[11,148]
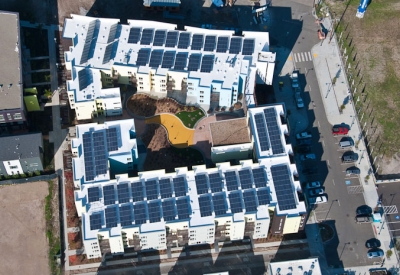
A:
[29,179]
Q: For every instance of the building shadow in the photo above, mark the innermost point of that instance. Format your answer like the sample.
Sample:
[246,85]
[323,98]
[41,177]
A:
[334,250]
[192,260]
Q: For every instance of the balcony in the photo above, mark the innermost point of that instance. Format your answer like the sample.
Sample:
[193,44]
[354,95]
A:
[104,246]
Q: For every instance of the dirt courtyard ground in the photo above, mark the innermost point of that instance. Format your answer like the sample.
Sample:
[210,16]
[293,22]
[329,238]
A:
[24,248]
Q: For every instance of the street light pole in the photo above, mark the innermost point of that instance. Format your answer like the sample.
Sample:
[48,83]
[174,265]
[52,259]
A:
[329,89]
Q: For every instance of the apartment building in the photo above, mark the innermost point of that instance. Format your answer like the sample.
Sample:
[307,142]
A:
[12,114]
[209,68]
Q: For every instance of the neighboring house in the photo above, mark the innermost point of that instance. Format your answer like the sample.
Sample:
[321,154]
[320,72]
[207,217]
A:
[21,154]
[300,267]
[203,67]
[230,140]
[12,116]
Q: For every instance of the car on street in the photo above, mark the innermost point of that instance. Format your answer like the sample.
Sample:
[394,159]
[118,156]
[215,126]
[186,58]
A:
[363,219]
[304,149]
[349,157]
[373,243]
[309,171]
[316,191]
[364,210]
[318,200]
[352,171]
[299,100]
[295,79]
[339,130]
[307,157]
[303,135]
[313,184]
[346,143]
[375,253]
[306,141]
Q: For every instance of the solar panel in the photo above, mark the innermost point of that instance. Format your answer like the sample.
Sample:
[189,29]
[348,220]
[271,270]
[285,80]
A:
[143,57]
[274,131]
[179,186]
[235,202]
[261,132]
[231,181]
[197,42]
[125,215]
[172,38]
[184,40]
[95,221]
[100,158]
[107,53]
[168,60]
[111,217]
[248,47]
[88,156]
[113,32]
[159,38]
[205,206]
[209,44]
[182,207]
[263,196]
[112,139]
[151,189]
[283,187]
[147,37]
[83,79]
[109,194]
[259,177]
[201,184]
[156,58]
[93,194]
[154,211]
[165,188]
[219,204]
[245,179]
[134,35]
[123,192]
[168,208]
[137,191]
[250,203]
[139,212]
[207,64]
[194,62]
[180,61]
[236,45]
[216,182]
[88,42]
[222,45]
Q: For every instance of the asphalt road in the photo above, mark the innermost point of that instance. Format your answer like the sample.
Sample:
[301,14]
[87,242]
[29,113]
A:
[296,36]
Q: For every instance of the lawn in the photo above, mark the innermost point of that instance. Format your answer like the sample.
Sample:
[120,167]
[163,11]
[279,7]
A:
[189,119]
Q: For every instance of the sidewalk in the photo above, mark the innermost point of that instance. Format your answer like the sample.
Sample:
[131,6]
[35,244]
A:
[328,64]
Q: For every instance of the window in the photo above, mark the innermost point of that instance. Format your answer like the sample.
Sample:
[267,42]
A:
[190,83]
[2,118]
[201,101]
[141,88]
[214,88]
[163,81]
[202,92]
[140,78]
[14,167]
[140,83]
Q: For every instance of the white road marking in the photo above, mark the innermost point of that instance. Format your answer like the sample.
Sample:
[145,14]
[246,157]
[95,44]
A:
[323,143]
[338,202]
[333,181]
[309,55]
[302,57]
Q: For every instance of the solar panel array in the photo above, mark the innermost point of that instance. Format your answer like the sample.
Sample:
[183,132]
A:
[112,139]
[222,45]
[179,186]
[95,221]
[235,202]
[154,211]
[261,132]
[205,206]
[88,156]
[123,192]
[197,42]
[111,217]
[152,192]
[159,37]
[107,53]
[156,58]
[246,181]
[216,182]
[147,37]
[168,60]
[207,63]
[194,62]
[93,194]
[263,196]
[250,202]
[231,180]
[248,46]
[180,61]
[137,191]
[219,203]
[236,45]
[134,35]
[109,194]
[83,79]
[88,42]
[140,213]
[183,208]
[99,152]
[274,131]
[169,210]
[172,38]
[184,40]
[125,215]
[259,177]
[165,188]
[201,184]
[143,57]
[283,187]
[209,44]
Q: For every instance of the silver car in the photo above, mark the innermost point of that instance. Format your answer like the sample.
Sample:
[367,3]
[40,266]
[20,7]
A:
[375,253]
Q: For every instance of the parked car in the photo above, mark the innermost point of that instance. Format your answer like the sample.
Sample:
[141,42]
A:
[373,243]
[316,191]
[352,171]
[349,157]
[299,100]
[306,141]
[364,219]
[307,157]
[364,210]
[295,79]
[375,253]
[339,130]
[346,143]
[309,171]
[318,200]
[303,135]
[313,184]
[304,149]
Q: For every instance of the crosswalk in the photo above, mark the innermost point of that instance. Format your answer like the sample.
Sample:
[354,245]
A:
[302,57]
[352,190]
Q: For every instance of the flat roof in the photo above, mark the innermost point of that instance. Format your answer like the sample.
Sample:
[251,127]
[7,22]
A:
[21,146]
[296,267]
[10,62]
[229,132]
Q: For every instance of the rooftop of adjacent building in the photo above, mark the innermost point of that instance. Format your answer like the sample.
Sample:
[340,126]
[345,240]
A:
[296,267]
[10,62]
[21,146]
[229,132]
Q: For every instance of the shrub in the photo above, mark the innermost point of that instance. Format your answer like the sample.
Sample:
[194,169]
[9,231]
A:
[37,173]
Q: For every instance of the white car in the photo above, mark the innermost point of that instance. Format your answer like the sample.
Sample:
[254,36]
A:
[313,184]
[307,157]
[316,191]
[318,200]
[299,100]
[295,80]
[303,135]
